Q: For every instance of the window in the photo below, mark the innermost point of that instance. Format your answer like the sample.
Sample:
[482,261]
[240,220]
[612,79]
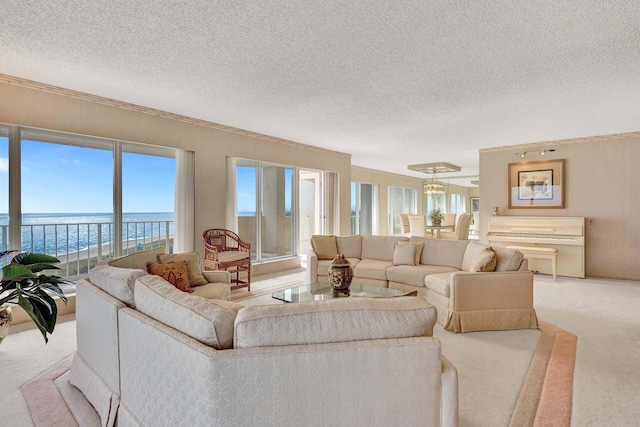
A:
[458,204]
[271,228]
[401,200]
[4,191]
[435,201]
[363,212]
[84,199]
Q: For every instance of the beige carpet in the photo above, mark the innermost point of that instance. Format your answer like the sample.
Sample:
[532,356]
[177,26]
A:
[493,367]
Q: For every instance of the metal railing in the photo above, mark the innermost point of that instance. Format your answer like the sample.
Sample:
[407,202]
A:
[81,246]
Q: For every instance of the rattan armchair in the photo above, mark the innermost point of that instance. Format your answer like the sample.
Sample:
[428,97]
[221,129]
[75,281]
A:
[224,250]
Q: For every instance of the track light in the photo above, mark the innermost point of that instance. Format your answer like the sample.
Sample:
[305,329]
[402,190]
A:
[541,152]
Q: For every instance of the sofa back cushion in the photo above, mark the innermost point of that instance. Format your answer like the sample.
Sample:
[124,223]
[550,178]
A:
[478,258]
[447,253]
[339,320]
[137,260]
[325,247]
[380,247]
[117,282]
[208,321]
[508,259]
[350,246]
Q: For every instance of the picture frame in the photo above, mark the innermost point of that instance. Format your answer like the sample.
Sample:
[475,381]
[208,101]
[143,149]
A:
[475,204]
[537,184]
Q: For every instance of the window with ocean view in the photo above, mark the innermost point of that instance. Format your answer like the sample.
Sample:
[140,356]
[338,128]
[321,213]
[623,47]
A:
[271,188]
[86,199]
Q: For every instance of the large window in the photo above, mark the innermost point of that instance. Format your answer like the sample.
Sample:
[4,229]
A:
[401,200]
[84,199]
[271,228]
[458,204]
[4,190]
[363,208]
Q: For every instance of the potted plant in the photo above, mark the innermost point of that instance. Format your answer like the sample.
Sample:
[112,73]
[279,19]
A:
[436,217]
[23,283]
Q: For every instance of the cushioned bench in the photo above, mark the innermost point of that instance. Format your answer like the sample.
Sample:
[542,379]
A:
[540,253]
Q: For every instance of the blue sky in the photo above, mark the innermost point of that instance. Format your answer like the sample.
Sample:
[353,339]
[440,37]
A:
[59,178]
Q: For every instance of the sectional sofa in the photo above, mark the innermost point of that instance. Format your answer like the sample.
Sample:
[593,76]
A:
[168,357]
[474,287]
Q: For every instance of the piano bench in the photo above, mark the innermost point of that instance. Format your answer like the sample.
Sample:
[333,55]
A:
[540,253]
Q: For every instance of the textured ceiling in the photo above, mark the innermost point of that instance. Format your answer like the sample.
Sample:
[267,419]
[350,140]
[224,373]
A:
[392,83]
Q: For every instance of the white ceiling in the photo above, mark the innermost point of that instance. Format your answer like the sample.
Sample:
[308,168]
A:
[391,82]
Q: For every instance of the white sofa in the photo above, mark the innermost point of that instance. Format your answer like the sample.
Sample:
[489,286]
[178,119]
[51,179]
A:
[172,358]
[450,274]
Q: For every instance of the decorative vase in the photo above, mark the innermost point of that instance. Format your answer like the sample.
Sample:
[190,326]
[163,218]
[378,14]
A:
[5,321]
[340,274]
[436,223]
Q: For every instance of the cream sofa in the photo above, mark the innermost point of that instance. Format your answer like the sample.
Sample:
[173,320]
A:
[447,273]
[172,358]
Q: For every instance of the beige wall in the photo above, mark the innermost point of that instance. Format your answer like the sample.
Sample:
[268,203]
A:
[384,180]
[45,107]
[601,183]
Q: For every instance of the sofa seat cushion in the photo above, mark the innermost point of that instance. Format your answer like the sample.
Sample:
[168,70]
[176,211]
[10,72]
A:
[220,291]
[439,283]
[372,269]
[117,282]
[380,247]
[208,321]
[415,275]
[339,320]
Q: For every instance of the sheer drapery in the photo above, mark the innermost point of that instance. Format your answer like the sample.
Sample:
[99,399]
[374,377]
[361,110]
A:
[184,221]
[332,214]
[231,210]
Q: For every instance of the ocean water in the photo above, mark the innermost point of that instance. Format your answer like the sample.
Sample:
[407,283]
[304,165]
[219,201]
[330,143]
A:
[63,233]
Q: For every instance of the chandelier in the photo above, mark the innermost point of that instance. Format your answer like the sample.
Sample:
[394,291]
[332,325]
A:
[433,187]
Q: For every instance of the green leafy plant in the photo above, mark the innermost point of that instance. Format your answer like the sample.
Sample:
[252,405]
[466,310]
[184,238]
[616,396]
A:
[23,283]
[436,217]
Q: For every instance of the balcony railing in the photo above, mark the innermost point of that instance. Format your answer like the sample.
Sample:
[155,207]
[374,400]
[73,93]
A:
[81,246]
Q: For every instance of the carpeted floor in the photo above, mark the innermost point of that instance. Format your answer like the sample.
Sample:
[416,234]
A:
[499,372]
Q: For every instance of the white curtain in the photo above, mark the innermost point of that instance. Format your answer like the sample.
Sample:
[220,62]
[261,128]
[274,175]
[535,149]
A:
[332,206]
[184,224]
[231,210]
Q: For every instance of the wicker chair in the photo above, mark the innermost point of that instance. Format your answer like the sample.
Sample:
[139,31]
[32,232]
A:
[223,250]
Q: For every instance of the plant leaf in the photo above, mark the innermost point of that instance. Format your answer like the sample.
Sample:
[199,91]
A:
[27,258]
[34,313]
[16,272]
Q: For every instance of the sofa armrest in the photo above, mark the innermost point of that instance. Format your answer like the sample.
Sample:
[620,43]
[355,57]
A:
[312,267]
[217,276]
[449,406]
[490,291]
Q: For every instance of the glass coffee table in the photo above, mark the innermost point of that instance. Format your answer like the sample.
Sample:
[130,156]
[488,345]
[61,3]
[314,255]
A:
[322,291]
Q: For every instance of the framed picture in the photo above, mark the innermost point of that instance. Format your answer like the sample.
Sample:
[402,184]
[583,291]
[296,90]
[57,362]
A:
[538,184]
[475,204]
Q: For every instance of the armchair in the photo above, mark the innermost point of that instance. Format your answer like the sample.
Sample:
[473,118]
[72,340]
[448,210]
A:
[224,250]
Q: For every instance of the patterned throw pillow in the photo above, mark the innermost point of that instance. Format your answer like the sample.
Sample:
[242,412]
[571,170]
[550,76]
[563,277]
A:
[173,272]
[196,278]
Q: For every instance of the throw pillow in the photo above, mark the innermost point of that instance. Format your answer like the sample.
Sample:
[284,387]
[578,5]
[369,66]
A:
[325,247]
[137,260]
[173,272]
[485,261]
[418,248]
[404,255]
[196,278]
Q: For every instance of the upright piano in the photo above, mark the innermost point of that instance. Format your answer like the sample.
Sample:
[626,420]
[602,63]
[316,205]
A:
[564,233]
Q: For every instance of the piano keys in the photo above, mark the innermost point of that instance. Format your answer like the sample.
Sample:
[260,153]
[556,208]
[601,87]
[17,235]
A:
[566,234]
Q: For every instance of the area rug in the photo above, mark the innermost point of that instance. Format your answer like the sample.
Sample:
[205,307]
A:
[547,393]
